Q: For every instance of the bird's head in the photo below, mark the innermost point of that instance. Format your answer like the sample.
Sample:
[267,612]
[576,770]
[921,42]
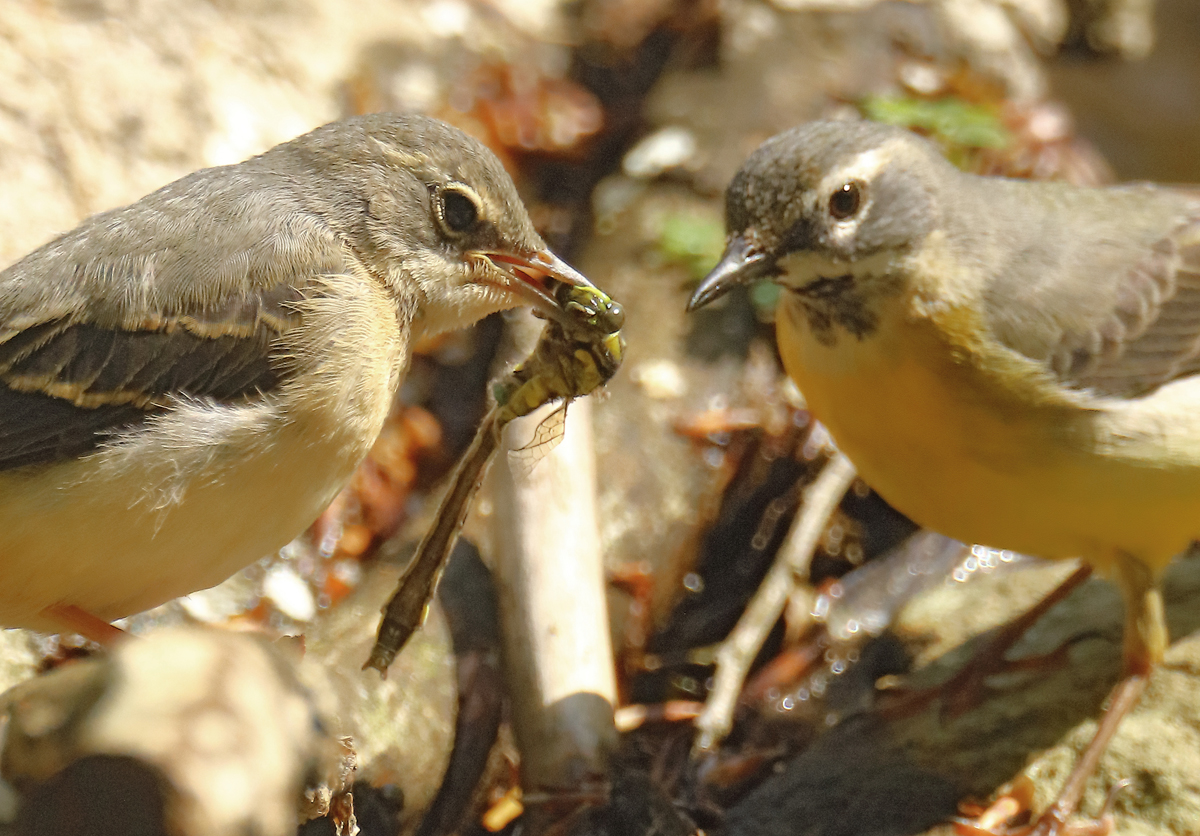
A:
[433,214]
[827,201]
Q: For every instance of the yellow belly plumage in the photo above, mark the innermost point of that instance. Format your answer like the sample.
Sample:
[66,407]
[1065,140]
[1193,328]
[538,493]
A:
[986,460]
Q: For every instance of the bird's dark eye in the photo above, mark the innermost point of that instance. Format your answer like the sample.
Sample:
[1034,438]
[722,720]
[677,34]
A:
[845,201]
[459,211]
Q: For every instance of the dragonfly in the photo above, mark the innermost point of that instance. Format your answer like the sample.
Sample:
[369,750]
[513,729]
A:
[577,353]
[557,371]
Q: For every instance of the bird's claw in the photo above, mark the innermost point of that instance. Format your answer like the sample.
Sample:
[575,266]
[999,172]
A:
[1056,821]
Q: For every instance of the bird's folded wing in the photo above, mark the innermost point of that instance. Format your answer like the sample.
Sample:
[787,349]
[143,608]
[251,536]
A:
[67,384]
[1151,334]
[181,295]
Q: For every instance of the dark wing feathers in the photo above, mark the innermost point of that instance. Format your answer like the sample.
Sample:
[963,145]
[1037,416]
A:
[37,428]
[1152,334]
[67,386]
[182,294]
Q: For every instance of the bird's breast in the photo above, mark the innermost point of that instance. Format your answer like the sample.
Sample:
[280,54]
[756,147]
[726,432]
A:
[902,390]
[205,489]
[969,447]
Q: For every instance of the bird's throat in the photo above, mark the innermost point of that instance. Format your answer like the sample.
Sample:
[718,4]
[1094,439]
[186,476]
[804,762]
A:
[836,308]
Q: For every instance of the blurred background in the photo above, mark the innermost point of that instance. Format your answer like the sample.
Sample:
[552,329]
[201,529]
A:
[622,121]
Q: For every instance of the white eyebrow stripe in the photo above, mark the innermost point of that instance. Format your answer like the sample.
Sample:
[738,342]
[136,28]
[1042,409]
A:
[863,167]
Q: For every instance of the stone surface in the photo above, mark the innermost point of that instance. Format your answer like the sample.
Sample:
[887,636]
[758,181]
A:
[877,775]
[209,730]
[402,727]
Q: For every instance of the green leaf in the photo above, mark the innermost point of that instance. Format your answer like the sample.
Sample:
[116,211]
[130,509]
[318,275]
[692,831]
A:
[765,298]
[951,121]
[692,241]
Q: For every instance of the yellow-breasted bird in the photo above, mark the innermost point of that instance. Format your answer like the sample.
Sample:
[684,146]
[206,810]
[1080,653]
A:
[187,381]
[1007,362]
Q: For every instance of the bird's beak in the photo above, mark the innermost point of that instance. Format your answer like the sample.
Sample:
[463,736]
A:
[537,278]
[742,263]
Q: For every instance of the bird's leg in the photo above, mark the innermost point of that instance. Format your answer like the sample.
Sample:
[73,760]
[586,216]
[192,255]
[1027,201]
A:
[963,690]
[76,620]
[1145,622]
[1144,646]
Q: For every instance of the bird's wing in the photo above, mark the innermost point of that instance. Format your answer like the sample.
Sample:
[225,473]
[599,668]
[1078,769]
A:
[144,305]
[66,386]
[1151,333]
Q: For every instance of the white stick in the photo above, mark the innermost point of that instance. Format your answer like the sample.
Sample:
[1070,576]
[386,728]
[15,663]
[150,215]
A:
[549,570]
[791,563]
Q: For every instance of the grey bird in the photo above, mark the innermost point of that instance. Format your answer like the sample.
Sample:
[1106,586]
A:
[1007,362]
[187,381]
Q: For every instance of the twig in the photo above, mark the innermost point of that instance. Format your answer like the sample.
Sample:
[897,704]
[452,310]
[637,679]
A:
[742,645]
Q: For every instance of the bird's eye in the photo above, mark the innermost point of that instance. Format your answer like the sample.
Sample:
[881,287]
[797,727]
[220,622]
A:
[458,211]
[845,201]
